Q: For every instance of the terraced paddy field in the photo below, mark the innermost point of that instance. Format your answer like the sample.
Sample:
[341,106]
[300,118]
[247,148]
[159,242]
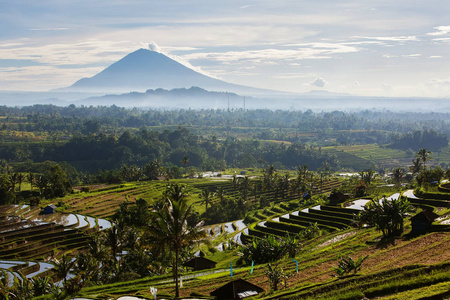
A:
[412,266]
[401,266]
[361,157]
[29,240]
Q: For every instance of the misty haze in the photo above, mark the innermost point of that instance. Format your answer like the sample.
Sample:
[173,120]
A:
[209,150]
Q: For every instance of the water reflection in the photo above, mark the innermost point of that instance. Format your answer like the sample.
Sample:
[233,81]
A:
[64,219]
[42,268]
[82,221]
[358,204]
[103,224]
[240,225]
[228,227]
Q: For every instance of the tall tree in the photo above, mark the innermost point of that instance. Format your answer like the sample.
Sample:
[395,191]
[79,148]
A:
[424,155]
[20,178]
[31,178]
[42,184]
[207,196]
[397,175]
[169,229]
[416,166]
[113,240]
[367,176]
[63,267]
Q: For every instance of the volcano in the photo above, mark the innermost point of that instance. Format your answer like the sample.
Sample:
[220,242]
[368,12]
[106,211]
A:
[145,69]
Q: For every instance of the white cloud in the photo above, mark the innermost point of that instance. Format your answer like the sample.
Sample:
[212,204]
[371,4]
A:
[439,82]
[319,82]
[269,56]
[445,40]
[49,29]
[410,38]
[154,47]
[440,30]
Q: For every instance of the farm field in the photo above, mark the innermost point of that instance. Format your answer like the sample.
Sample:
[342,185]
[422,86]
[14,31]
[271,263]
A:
[407,264]
[359,157]
[410,265]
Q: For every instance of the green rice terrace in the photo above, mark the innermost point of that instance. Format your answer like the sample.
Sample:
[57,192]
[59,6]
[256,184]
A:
[410,265]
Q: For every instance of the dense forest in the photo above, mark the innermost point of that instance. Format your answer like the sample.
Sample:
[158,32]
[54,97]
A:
[96,141]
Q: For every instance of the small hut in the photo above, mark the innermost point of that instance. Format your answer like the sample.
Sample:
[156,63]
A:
[49,209]
[422,221]
[338,197]
[200,263]
[236,289]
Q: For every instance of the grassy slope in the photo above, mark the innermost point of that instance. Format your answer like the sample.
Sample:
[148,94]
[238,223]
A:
[384,273]
[316,260]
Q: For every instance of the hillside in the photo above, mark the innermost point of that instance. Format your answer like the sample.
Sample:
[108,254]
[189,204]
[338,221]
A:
[411,266]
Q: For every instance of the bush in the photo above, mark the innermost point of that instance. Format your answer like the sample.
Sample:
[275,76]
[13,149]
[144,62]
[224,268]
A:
[348,265]
[263,250]
[386,215]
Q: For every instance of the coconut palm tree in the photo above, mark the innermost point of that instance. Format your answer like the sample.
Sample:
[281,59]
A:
[397,175]
[13,179]
[63,267]
[221,194]
[42,184]
[113,240]
[169,230]
[416,166]
[30,178]
[20,178]
[386,215]
[424,155]
[207,196]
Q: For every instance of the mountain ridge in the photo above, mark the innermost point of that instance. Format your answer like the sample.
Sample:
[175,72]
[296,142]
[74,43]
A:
[145,69]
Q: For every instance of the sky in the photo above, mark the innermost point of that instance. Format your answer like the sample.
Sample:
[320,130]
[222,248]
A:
[370,48]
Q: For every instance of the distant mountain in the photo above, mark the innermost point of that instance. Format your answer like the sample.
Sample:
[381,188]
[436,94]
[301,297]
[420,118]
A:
[144,69]
[193,97]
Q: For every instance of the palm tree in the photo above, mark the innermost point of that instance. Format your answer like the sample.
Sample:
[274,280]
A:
[169,230]
[221,194]
[63,267]
[42,184]
[20,178]
[30,178]
[367,176]
[185,160]
[397,175]
[13,180]
[424,155]
[416,166]
[268,178]
[386,215]
[244,187]
[207,195]
[114,241]
[302,173]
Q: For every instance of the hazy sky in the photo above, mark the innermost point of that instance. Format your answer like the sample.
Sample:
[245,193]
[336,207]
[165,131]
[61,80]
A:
[380,48]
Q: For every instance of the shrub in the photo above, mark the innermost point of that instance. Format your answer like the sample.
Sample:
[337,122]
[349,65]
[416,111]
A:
[386,215]
[263,250]
[348,265]
[275,276]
